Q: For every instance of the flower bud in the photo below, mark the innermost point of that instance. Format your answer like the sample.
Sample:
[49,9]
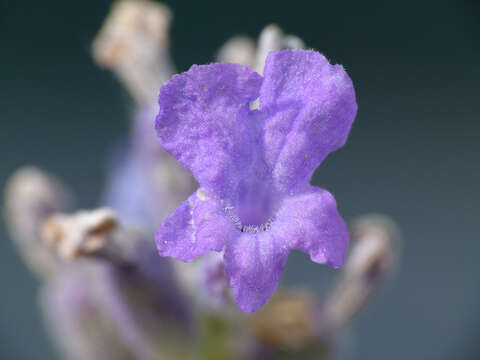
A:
[31,196]
[372,258]
[133,42]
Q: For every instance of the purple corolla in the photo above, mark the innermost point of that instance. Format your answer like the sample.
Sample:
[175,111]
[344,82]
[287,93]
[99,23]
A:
[255,201]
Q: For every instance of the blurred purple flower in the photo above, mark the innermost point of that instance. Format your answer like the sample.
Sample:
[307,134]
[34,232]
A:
[102,310]
[254,165]
[125,191]
[213,282]
[144,183]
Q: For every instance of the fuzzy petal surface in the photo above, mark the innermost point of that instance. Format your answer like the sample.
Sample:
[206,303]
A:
[310,222]
[254,264]
[195,227]
[309,106]
[254,165]
[203,122]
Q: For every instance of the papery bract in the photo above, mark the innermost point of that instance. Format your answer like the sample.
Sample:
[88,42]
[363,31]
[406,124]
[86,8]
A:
[254,166]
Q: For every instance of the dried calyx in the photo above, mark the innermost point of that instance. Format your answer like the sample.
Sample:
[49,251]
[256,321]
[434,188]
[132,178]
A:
[82,233]
[287,321]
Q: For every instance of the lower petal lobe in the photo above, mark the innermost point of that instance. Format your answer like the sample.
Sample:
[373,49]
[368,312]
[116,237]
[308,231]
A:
[310,222]
[195,227]
[254,264]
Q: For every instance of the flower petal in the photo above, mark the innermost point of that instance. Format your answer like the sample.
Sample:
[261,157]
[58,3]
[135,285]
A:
[195,227]
[311,223]
[254,264]
[309,107]
[204,122]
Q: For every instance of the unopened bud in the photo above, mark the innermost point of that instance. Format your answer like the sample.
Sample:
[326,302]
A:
[272,38]
[242,50]
[371,259]
[238,50]
[133,42]
[31,196]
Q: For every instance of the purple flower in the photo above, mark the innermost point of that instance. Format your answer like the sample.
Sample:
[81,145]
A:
[255,202]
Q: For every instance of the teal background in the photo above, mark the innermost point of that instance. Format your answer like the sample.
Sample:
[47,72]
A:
[413,153]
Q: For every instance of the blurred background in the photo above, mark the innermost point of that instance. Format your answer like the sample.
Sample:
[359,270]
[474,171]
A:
[413,153]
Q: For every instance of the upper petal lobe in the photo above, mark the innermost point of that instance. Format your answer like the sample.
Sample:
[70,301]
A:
[254,264]
[203,121]
[309,107]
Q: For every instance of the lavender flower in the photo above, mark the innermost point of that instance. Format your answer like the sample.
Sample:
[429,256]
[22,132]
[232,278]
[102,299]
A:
[72,312]
[97,310]
[255,202]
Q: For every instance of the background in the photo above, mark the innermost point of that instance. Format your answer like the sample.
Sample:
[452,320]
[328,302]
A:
[413,152]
